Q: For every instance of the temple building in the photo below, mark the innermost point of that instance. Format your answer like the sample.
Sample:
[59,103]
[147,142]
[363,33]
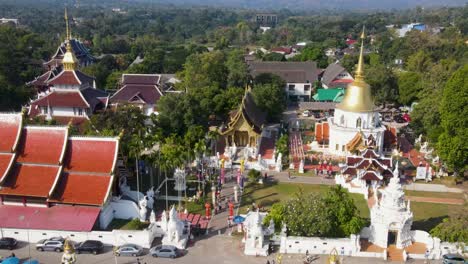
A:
[244,129]
[55,64]
[141,90]
[51,177]
[355,124]
[70,95]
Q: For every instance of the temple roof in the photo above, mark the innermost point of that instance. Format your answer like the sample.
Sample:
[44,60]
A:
[72,98]
[96,155]
[84,189]
[290,72]
[31,180]
[331,72]
[75,77]
[10,129]
[81,52]
[138,88]
[41,144]
[6,161]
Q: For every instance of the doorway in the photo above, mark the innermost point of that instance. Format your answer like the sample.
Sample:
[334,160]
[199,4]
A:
[392,237]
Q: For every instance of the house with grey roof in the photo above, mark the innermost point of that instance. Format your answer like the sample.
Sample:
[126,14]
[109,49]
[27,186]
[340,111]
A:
[299,76]
[335,76]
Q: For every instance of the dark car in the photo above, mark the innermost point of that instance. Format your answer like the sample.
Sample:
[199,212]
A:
[453,259]
[8,242]
[89,246]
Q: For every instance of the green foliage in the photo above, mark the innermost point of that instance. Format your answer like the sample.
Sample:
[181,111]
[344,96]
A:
[204,70]
[453,142]
[331,215]
[254,175]
[314,52]
[282,146]
[453,229]
[383,83]
[276,213]
[273,56]
[409,86]
[237,69]
[270,96]
[135,224]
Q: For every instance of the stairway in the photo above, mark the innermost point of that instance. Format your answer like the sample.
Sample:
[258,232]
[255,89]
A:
[395,254]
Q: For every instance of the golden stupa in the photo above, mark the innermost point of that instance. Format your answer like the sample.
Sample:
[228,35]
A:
[69,60]
[358,94]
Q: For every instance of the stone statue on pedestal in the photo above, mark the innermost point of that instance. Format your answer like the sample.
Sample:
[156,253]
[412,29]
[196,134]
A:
[279,163]
[143,210]
[69,255]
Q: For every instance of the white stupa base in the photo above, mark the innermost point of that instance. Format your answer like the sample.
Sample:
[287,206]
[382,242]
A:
[256,251]
[181,243]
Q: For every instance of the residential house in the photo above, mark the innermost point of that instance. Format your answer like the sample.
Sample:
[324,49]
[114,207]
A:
[335,76]
[299,76]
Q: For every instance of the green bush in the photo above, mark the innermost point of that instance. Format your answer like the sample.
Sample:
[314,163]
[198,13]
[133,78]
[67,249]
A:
[254,175]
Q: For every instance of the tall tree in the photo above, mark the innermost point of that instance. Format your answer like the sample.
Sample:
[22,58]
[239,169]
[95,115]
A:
[453,142]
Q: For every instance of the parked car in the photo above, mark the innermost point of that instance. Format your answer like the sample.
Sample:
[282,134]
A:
[89,246]
[128,250]
[453,259]
[306,113]
[51,244]
[165,251]
[8,242]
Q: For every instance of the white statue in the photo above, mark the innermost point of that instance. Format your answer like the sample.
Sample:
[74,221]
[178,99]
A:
[301,166]
[179,177]
[424,147]
[152,217]
[175,228]
[418,140]
[143,210]
[436,159]
[150,195]
[279,163]
[164,220]
[69,255]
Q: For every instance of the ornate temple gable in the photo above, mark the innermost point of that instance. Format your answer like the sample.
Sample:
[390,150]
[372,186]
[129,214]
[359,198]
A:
[246,125]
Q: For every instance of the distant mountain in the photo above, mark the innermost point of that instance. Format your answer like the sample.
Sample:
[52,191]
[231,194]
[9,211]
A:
[316,4]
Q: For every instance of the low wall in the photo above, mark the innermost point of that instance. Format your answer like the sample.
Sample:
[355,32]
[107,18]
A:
[430,187]
[370,254]
[142,238]
[315,245]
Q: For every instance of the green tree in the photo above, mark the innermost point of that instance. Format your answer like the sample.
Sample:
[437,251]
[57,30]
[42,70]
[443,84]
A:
[419,62]
[203,70]
[237,69]
[276,213]
[453,142]
[453,229]
[273,56]
[254,175]
[409,86]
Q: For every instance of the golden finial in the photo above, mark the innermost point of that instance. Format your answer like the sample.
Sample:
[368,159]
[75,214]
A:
[121,134]
[67,37]
[360,68]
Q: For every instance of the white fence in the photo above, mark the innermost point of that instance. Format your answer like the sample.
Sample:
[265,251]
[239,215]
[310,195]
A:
[142,238]
[315,245]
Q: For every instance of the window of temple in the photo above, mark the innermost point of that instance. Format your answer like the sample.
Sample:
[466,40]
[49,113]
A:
[342,120]
[307,87]
[291,87]
[337,147]
[358,122]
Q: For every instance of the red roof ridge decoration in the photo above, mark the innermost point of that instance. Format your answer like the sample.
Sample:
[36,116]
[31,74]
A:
[76,80]
[9,141]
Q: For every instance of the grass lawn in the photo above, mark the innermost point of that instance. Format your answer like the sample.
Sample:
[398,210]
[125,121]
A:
[426,215]
[434,194]
[124,224]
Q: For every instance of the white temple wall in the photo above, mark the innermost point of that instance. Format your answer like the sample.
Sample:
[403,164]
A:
[316,245]
[125,209]
[143,238]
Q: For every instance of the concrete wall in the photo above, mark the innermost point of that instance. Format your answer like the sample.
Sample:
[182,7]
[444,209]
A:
[315,245]
[142,238]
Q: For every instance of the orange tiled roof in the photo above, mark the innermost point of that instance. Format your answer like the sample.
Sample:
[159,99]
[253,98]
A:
[91,155]
[6,160]
[85,189]
[10,125]
[30,180]
[42,145]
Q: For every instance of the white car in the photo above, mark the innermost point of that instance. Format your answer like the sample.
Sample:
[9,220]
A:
[306,113]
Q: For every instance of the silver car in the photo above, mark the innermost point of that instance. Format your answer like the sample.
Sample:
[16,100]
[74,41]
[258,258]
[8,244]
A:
[165,251]
[128,250]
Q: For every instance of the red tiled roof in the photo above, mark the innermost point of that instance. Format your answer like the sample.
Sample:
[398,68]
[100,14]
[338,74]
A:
[42,145]
[364,164]
[350,171]
[322,132]
[70,218]
[370,176]
[85,189]
[62,98]
[148,79]
[30,180]
[351,161]
[65,78]
[6,160]
[369,153]
[10,126]
[150,94]
[91,155]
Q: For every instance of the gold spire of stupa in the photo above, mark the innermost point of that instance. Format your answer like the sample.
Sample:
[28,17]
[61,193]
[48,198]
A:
[358,94]
[69,60]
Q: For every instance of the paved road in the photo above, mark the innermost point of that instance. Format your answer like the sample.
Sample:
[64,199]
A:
[213,248]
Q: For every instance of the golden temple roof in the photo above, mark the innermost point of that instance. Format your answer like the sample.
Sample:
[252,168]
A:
[358,94]
[69,60]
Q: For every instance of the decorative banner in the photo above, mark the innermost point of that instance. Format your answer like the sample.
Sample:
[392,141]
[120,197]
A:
[238,177]
[222,175]
[242,166]
[242,183]
[231,210]
[207,210]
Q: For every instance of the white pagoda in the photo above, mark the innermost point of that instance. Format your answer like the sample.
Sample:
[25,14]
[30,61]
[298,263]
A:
[355,125]
[391,218]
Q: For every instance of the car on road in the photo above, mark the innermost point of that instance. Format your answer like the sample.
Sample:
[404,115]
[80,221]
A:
[165,251]
[8,242]
[89,246]
[128,250]
[453,259]
[51,244]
